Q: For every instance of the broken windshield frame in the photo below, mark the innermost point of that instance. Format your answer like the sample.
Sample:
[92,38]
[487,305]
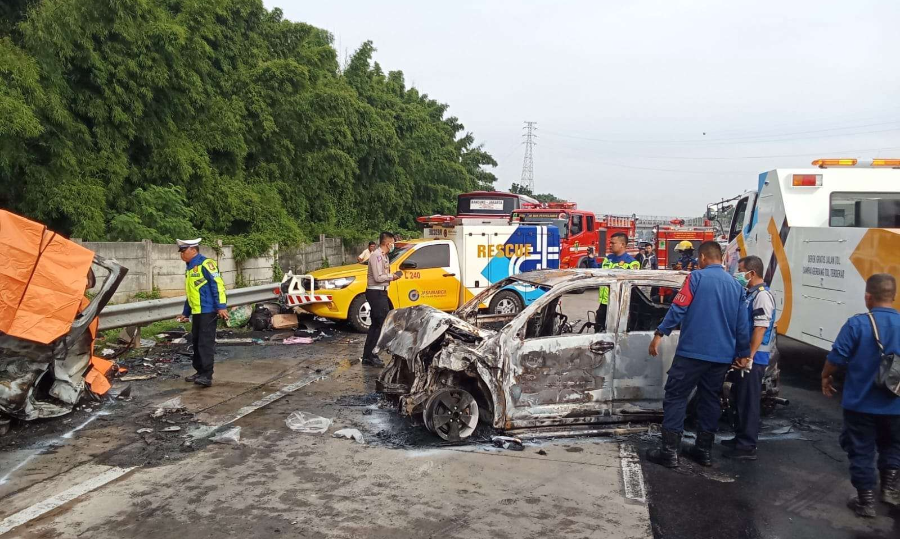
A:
[471,307]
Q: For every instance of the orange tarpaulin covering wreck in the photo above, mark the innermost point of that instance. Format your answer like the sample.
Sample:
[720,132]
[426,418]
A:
[42,279]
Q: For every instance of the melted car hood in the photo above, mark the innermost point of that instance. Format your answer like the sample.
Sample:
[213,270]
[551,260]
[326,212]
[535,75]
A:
[409,331]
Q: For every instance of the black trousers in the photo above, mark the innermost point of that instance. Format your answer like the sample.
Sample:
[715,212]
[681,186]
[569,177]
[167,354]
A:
[379,307]
[684,375]
[203,333]
[747,391]
[862,437]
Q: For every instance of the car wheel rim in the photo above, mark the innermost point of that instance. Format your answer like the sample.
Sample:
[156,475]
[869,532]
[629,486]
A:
[452,414]
[506,306]
[365,314]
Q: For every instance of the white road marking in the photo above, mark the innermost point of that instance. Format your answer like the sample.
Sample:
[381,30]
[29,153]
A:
[41,508]
[632,474]
[46,445]
[283,392]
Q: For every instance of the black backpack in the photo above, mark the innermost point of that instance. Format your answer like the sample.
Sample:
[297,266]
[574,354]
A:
[889,370]
[261,319]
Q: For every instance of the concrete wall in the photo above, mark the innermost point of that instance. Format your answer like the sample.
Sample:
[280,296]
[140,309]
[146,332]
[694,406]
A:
[159,266]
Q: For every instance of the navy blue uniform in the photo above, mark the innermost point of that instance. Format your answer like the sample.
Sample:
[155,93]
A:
[747,388]
[715,330]
[871,413]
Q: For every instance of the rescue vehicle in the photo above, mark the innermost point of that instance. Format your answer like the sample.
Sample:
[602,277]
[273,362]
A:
[821,232]
[450,265]
[582,234]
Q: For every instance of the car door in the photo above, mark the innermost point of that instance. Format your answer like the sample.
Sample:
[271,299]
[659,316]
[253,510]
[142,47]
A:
[562,360]
[638,378]
[429,277]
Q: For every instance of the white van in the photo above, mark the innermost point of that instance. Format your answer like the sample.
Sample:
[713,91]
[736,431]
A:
[821,232]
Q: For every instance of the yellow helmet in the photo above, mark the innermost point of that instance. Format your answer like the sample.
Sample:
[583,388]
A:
[684,245]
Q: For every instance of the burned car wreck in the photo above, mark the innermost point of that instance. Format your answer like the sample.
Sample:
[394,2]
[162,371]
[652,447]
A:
[47,324]
[567,363]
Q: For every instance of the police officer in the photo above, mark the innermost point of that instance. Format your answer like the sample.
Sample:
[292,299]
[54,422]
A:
[687,261]
[379,278]
[206,302]
[871,412]
[715,330]
[748,376]
[617,259]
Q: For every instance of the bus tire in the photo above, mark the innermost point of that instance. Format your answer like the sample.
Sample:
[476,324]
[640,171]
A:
[506,302]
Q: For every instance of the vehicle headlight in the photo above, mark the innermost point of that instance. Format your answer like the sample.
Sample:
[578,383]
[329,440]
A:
[335,284]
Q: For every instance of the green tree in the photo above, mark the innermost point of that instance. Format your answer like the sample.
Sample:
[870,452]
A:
[541,197]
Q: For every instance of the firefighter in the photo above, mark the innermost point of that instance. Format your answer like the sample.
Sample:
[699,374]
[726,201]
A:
[715,330]
[871,412]
[205,303]
[687,261]
[747,375]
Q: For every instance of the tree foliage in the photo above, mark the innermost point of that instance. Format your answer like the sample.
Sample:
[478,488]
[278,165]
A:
[151,119]
[540,197]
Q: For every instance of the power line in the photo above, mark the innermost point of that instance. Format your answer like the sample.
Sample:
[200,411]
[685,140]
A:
[716,142]
[528,163]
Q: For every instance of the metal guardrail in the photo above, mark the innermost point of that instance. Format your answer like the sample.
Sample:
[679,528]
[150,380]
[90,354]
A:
[142,313]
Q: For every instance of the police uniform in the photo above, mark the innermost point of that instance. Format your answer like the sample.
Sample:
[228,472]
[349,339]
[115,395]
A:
[871,413]
[715,330]
[747,387]
[205,291]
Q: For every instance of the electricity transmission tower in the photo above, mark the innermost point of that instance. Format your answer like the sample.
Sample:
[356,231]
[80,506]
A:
[528,164]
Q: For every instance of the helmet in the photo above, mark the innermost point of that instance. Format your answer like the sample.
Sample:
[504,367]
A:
[684,246]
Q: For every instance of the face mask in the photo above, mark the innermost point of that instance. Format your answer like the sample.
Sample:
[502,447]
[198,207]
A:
[391,248]
[741,278]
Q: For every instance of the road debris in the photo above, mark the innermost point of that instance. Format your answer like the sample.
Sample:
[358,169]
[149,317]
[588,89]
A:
[350,434]
[136,377]
[230,436]
[173,428]
[508,442]
[307,423]
[169,406]
[285,321]
[238,317]
[298,340]
[145,431]
[106,352]
[542,453]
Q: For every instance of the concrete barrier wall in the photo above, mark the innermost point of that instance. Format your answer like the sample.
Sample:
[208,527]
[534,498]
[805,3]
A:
[152,266]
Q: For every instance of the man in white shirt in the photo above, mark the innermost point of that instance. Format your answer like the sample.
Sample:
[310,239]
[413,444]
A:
[363,257]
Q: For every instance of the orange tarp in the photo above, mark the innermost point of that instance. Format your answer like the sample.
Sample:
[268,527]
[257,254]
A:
[42,280]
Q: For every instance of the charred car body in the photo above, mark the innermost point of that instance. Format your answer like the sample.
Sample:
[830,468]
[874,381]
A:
[566,363]
[47,325]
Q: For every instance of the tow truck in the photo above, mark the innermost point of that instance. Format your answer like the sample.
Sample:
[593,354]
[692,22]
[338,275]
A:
[453,262]
[581,233]
[821,232]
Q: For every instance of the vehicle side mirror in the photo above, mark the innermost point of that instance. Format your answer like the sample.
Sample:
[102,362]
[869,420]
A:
[408,265]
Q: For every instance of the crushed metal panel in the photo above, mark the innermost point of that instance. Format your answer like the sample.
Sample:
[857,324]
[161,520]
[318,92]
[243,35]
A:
[408,331]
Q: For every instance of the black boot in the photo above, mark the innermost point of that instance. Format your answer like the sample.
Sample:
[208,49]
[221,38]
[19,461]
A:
[863,504]
[701,451]
[890,487]
[667,454]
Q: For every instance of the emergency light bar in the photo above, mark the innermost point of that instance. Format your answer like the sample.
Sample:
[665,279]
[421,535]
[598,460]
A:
[562,205]
[822,163]
[436,219]
[874,163]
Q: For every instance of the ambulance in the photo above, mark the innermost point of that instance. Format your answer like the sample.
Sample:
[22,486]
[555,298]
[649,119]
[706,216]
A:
[821,232]
[452,263]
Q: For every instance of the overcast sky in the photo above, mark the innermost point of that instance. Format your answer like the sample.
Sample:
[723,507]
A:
[623,91]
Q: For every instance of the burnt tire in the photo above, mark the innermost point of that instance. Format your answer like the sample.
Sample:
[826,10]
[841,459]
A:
[506,302]
[360,314]
[452,414]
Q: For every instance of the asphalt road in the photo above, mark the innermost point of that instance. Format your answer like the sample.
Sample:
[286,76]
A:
[92,474]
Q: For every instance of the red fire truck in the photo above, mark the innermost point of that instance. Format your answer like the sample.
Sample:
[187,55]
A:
[666,238]
[579,230]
